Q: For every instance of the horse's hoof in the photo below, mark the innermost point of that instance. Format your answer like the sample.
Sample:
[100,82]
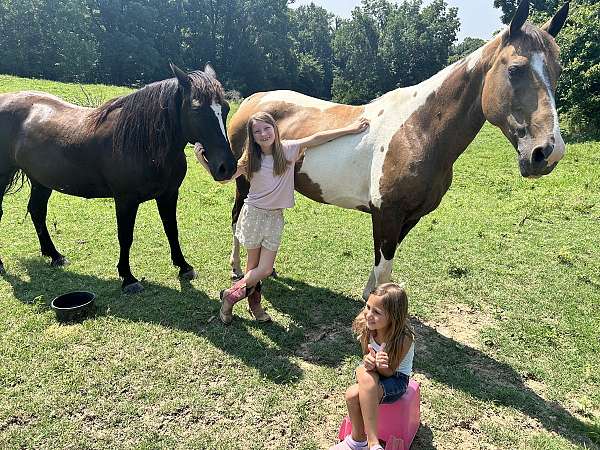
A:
[189,275]
[274,274]
[59,262]
[133,288]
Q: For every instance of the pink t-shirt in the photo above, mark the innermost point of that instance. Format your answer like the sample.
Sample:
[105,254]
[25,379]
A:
[268,191]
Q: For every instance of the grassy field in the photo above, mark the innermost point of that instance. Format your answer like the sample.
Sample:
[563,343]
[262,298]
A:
[503,279]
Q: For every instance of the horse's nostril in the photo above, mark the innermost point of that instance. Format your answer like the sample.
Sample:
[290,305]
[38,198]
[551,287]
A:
[541,153]
[221,170]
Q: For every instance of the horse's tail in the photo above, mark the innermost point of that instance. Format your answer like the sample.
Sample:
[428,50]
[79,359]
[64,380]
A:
[16,183]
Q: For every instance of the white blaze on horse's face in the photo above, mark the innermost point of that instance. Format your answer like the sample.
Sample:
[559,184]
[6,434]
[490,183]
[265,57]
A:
[218,110]
[538,64]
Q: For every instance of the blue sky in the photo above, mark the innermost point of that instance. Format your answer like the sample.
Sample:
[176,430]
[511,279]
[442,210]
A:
[478,18]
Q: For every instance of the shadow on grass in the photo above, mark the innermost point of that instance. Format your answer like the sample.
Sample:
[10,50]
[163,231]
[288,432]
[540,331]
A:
[472,371]
[320,334]
[191,310]
[423,439]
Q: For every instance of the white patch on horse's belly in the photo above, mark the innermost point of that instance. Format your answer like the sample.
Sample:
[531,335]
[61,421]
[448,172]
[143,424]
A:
[341,169]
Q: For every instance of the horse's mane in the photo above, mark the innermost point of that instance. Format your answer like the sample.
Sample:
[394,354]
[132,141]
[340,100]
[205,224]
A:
[149,124]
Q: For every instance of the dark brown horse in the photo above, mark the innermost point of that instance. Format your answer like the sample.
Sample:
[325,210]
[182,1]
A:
[131,148]
[400,170]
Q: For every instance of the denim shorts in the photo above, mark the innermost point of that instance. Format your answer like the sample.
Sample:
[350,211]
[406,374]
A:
[394,387]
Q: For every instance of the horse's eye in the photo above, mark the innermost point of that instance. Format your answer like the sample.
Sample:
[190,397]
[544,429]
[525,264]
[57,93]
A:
[515,71]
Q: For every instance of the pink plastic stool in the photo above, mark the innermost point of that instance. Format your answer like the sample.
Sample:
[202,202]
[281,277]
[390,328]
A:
[398,422]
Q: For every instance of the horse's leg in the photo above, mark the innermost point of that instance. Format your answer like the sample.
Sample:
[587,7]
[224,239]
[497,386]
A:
[241,192]
[38,208]
[389,228]
[167,206]
[4,181]
[126,209]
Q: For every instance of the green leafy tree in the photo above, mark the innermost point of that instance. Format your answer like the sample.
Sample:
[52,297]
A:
[466,47]
[46,38]
[579,87]
[385,46]
[127,34]
[358,67]
[415,43]
[312,33]
[509,7]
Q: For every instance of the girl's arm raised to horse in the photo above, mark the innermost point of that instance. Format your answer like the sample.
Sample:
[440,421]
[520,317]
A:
[322,137]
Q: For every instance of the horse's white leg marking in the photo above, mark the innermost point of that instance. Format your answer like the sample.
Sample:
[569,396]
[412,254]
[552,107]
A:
[217,110]
[538,65]
[370,285]
[234,260]
[380,274]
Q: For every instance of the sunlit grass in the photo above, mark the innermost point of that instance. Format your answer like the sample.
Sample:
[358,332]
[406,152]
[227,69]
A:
[504,285]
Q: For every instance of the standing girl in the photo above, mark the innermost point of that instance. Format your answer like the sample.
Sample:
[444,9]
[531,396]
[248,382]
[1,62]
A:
[387,342]
[268,163]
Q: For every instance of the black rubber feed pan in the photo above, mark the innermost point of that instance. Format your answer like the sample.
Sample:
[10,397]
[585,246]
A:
[73,306]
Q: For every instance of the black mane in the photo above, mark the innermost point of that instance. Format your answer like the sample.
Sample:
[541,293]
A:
[149,121]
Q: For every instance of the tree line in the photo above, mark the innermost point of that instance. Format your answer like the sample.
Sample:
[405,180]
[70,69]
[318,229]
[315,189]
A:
[258,45]
[253,44]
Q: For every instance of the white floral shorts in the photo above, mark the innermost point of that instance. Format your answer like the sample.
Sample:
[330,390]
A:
[258,227]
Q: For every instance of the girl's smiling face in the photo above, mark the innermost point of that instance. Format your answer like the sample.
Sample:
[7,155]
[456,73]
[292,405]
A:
[376,317]
[264,135]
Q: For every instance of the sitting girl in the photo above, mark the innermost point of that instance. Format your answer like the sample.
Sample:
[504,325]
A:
[387,341]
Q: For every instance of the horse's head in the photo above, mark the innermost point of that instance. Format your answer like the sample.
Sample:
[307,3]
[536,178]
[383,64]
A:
[203,117]
[518,92]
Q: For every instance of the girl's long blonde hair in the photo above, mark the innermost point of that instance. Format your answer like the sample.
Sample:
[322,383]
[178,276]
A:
[252,155]
[395,304]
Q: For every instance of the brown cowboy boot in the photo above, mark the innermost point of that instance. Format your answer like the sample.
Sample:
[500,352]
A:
[254,306]
[230,297]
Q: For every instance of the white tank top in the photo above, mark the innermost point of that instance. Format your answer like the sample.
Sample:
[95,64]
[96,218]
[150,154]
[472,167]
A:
[406,364]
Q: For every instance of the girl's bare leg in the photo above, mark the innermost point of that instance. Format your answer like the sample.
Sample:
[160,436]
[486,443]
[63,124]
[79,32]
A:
[253,258]
[369,395]
[263,269]
[353,404]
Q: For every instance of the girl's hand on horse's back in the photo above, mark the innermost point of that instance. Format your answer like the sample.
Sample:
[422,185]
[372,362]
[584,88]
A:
[359,126]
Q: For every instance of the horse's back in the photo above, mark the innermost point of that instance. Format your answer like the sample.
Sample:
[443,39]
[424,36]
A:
[51,140]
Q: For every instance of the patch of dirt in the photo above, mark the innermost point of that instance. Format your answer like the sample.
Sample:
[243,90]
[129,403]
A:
[16,421]
[463,324]
[329,335]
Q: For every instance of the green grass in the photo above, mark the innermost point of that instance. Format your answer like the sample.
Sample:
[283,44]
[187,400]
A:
[503,279]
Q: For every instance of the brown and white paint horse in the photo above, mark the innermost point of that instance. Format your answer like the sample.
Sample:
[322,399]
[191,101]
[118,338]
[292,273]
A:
[400,170]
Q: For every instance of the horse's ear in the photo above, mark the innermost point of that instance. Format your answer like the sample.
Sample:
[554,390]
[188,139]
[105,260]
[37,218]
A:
[554,25]
[208,70]
[182,77]
[519,18]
